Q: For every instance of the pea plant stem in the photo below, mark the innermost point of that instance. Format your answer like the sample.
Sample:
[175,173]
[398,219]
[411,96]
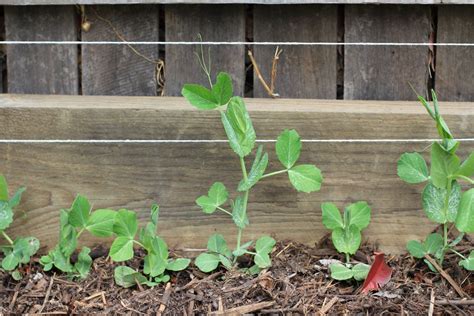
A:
[445,225]
[246,197]
[273,173]
[465,179]
[348,258]
[10,241]
[459,254]
[224,210]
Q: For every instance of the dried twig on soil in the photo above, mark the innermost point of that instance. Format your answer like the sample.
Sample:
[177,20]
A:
[455,302]
[432,301]
[446,276]
[245,309]
[326,307]
[48,291]
[164,300]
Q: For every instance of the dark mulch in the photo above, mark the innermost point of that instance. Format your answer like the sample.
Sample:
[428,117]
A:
[297,282]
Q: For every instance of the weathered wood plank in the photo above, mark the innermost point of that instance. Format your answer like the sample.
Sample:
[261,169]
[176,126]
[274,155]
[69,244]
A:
[302,72]
[174,174]
[46,69]
[118,70]
[37,2]
[383,73]
[214,23]
[455,65]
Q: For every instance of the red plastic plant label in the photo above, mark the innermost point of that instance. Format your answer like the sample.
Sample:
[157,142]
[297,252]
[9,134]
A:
[379,274]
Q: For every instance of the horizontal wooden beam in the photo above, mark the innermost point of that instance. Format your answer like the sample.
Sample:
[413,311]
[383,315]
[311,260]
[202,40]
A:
[56,2]
[173,174]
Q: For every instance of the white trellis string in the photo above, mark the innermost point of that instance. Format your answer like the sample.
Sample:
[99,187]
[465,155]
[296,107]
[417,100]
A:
[232,43]
[181,141]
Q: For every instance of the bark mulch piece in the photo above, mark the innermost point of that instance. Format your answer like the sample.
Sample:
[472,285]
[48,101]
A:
[298,283]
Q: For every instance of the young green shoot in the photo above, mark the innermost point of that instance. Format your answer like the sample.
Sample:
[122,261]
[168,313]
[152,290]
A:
[442,198]
[20,250]
[346,237]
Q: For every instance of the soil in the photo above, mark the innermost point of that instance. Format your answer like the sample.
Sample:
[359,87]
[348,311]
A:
[296,283]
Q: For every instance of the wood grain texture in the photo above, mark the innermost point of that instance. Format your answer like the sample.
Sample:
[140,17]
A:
[214,23]
[383,73]
[134,175]
[45,69]
[118,70]
[303,72]
[455,65]
[38,2]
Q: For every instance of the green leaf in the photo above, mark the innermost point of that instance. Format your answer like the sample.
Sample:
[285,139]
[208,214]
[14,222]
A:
[238,127]
[359,214]
[6,215]
[262,260]
[61,261]
[127,277]
[467,167]
[433,243]
[207,262]
[217,244]
[199,96]
[126,224]
[360,271]
[67,235]
[79,212]
[25,247]
[443,165]
[288,148]
[154,214]
[178,264]
[468,263]
[347,241]
[84,262]
[160,248]
[216,197]
[154,265]
[101,223]
[225,262]
[416,249]
[222,90]
[16,275]
[258,169]
[239,213]
[3,189]
[465,216]
[340,272]
[242,250]
[16,198]
[253,270]
[331,216]
[163,278]
[433,199]
[411,168]
[11,261]
[121,249]
[305,178]
[265,244]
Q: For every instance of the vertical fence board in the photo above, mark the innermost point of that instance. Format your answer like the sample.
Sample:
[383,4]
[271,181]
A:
[455,65]
[383,72]
[214,23]
[118,70]
[302,72]
[45,69]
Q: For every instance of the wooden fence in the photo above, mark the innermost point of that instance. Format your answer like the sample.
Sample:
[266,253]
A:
[323,72]
[133,175]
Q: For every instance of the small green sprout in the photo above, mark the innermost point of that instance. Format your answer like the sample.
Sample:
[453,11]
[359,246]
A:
[346,237]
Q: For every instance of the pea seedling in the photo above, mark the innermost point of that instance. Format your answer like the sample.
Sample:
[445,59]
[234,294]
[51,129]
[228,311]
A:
[241,135]
[442,198]
[157,260]
[73,222]
[20,250]
[346,237]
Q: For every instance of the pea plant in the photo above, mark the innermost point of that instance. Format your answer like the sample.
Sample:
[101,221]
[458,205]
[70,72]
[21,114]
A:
[18,251]
[442,198]
[73,223]
[346,237]
[156,261]
[242,138]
